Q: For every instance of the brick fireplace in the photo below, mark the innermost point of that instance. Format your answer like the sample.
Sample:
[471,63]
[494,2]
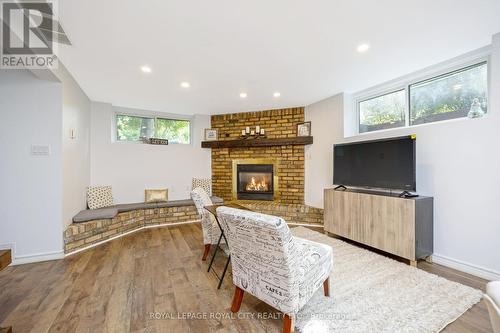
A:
[287,160]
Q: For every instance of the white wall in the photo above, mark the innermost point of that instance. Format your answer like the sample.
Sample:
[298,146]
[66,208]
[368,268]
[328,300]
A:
[458,163]
[130,168]
[30,186]
[75,151]
[327,128]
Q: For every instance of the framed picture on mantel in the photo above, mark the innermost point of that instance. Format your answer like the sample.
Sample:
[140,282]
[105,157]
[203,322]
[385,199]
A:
[304,129]
[211,134]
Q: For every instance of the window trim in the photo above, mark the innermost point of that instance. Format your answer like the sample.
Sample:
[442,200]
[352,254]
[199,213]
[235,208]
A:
[475,58]
[154,116]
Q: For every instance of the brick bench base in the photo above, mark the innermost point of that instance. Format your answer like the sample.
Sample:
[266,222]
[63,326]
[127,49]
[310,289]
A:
[85,234]
[291,213]
[81,235]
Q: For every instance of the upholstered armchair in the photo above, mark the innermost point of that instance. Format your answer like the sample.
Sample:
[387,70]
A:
[211,231]
[269,263]
[492,298]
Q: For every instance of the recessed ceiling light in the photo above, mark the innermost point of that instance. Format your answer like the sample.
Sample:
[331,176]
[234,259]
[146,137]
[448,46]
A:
[243,95]
[362,48]
[146,69]
[185,84]
[277,94]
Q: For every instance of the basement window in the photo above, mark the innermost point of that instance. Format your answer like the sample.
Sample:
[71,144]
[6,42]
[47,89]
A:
[130,128]
[382,112]
[450,93]
[449,96]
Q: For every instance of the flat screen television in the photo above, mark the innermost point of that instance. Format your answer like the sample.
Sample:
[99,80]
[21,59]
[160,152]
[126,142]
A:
[385,164]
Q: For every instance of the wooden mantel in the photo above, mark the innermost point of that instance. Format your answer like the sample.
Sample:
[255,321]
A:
[295,141]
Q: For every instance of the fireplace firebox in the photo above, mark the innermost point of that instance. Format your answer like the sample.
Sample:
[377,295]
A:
[255,182]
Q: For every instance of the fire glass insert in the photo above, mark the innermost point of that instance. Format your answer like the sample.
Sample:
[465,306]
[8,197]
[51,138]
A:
[255,181]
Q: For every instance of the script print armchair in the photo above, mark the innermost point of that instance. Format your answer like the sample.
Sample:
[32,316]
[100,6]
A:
[269,263]
[211,231]
[492,298]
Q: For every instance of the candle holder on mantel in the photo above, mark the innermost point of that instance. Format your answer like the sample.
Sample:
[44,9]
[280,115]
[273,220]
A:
[253,134]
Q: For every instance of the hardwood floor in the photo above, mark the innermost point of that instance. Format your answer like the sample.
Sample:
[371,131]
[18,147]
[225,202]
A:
[143,282]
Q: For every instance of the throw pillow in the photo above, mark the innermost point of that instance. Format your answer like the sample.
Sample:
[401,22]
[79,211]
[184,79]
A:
[152,196]
[99,197]
[204,183]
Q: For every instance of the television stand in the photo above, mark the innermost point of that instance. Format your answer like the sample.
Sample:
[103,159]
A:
[400,226]
[406,194]
[340,187]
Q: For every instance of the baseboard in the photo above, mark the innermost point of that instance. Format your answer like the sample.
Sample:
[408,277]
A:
[31,258]
[7,246]
[168,224]
[465,267]
[128,233]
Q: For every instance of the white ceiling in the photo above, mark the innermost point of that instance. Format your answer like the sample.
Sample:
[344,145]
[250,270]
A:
[306,50]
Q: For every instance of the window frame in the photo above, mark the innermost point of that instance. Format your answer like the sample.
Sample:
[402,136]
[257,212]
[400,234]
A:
[434,72]
[391,91]
[154,116]
[461,69]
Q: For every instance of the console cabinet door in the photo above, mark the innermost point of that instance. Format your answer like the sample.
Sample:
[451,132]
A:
[328,210]
[345,214]
[388,224]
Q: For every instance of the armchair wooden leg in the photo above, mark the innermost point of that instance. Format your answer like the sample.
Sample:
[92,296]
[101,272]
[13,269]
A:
[237,298]
[205,254]
[326,287]
[287,324]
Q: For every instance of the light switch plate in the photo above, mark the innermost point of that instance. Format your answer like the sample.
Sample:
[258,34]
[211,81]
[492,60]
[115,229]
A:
[40,150]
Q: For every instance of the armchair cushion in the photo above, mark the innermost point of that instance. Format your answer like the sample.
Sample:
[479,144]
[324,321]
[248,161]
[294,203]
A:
[493,290]
[313,267]
[492,298]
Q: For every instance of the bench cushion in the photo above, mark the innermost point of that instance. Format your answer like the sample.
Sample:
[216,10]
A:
[175,203]
[134,206]
[112,211]
[95,214]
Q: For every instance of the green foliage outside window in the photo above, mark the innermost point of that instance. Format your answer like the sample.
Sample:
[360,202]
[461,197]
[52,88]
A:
[386,111]
[176,131]
[449,96]
[134,128]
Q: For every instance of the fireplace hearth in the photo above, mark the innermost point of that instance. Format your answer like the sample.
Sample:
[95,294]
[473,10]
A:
[255,182]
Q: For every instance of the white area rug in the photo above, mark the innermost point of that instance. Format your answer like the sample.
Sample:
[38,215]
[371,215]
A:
[372,293]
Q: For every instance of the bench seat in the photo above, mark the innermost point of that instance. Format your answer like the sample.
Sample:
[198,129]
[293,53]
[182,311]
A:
[92,227]
[111,211]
